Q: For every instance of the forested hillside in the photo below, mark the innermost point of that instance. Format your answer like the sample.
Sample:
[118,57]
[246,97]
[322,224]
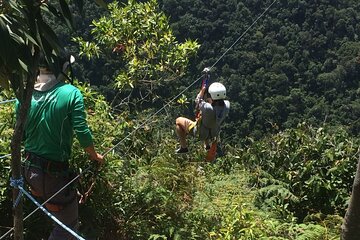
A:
[298,63]
[291,140]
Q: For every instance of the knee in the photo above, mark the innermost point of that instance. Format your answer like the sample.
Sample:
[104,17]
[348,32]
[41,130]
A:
[179,121]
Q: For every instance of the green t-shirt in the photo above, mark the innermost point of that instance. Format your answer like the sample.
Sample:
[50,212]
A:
[53,117]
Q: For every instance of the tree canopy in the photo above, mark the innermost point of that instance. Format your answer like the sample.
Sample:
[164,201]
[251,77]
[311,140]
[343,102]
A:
[291,137]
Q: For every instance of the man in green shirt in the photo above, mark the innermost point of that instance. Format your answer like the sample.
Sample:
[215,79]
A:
[56,112]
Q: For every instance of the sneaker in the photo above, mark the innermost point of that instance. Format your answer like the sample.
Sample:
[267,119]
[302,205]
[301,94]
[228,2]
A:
[182,150]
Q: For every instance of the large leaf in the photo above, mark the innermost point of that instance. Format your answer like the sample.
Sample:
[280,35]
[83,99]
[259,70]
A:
[30,38]
[4,81]
[44,46]
[54,11]
[49,35]
[66,13]
[7,48]
[23,65]
[15,37]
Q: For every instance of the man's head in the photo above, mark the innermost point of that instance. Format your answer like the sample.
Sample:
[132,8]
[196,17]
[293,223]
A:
[217,91]
[57,66]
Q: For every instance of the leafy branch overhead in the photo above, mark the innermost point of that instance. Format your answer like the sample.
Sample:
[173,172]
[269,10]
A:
[139,34]
[24,34]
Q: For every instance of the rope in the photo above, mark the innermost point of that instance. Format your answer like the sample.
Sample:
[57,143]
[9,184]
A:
[50,215]
[8,155]
[16,183]
[43,204]
[8,101]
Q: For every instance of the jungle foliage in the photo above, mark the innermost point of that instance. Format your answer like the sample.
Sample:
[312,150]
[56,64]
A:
[291,140]
[300,62]
[145,191]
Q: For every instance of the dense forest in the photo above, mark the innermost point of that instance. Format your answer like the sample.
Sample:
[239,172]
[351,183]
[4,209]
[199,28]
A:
[290,143]
[298,63]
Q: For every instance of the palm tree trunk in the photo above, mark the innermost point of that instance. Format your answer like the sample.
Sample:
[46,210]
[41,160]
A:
[351,225]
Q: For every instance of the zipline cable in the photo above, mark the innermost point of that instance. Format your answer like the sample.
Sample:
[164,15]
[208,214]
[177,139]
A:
[151,116]
[242,35]
[237,40]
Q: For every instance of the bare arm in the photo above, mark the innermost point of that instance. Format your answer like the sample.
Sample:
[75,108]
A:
[94,155]
[200,95]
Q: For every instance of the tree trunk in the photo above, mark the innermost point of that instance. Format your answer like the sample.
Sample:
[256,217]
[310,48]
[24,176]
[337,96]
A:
[351,225]
[16,145]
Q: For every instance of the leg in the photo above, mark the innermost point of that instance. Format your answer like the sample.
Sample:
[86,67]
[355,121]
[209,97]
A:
[67,200]
[182,130]
[69,216]
[44,185]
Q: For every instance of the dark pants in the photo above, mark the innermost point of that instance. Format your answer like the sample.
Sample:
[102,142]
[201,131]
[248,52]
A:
[45,185]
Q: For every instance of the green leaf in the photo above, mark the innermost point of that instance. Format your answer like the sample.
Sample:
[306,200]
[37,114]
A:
[23,65]
[30,38]
[7,48]
[49,35]
[51,9]
[4,81]
[66,13]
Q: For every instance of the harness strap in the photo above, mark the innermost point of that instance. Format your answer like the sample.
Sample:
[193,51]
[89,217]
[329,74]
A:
[193,127]
[48,166]
[54,207]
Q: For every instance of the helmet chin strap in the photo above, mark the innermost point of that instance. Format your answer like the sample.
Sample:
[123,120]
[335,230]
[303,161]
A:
[67,65]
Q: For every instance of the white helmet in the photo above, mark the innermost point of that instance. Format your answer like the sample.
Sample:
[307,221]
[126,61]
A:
[217,91]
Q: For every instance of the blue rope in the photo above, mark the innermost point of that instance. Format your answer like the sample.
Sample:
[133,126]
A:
[50,215]
[7,101]
[17,183]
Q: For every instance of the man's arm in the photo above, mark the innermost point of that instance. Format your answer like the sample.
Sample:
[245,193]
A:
[82,129]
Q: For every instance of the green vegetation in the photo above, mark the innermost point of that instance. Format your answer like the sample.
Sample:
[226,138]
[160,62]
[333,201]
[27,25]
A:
[261,191]
[291,140]
[298,63]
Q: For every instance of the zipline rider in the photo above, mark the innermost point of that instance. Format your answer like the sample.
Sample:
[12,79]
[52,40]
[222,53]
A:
[56,112]
[213,111]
